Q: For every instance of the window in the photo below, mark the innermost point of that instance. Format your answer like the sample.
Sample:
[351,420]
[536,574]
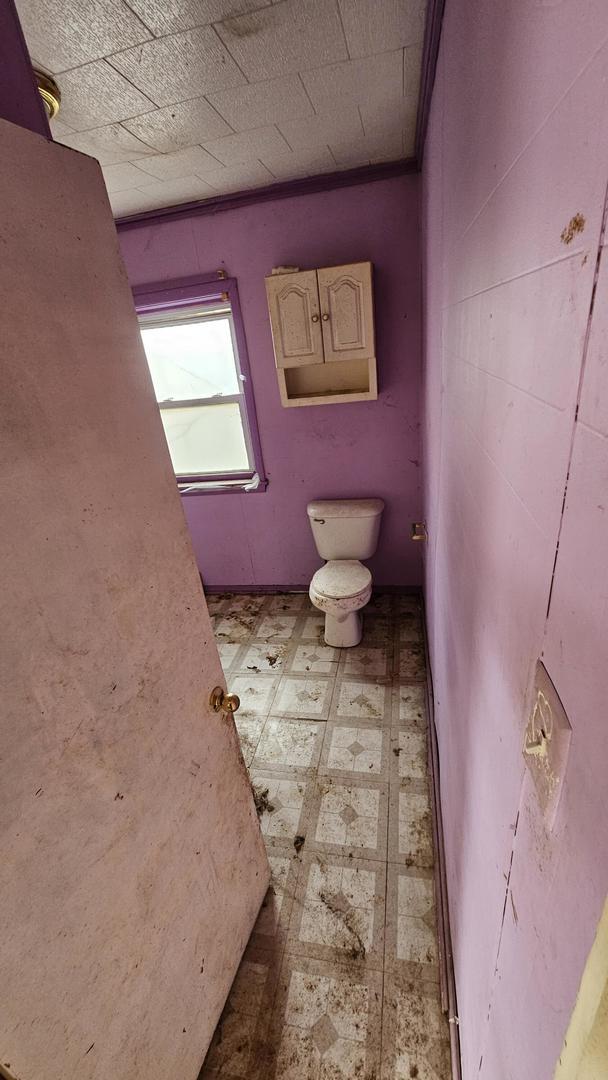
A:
[195,346]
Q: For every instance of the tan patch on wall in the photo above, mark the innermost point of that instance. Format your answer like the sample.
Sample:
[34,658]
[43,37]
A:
[574,226]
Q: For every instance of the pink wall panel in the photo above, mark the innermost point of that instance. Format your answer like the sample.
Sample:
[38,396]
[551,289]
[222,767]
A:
[368,448]
[562,900]
[512,155]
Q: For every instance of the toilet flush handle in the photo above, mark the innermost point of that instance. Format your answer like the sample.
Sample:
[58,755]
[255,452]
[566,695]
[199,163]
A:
[319,521]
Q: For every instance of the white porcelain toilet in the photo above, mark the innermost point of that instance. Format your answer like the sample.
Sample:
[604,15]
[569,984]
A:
[345,531]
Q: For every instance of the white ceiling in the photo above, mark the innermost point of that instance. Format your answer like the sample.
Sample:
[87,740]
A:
[188,99]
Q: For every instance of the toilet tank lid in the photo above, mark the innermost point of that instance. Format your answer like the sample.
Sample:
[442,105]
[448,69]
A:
[345,508]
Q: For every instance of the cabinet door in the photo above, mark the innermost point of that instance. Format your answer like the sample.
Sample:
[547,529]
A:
[347,318]
[293,301]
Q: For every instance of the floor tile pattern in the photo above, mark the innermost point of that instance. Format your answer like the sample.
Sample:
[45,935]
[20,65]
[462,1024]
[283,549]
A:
[340,978]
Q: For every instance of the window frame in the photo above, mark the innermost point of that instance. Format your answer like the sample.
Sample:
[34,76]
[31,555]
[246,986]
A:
[163,298]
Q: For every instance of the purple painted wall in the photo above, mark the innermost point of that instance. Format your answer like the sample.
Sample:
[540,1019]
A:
[363,449]
[517,148]
[20,101]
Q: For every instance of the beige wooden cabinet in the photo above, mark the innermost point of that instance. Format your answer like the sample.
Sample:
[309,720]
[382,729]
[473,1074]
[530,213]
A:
[323,334]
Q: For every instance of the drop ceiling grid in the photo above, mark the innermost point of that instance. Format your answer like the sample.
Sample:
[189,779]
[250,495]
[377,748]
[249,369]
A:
[187,99]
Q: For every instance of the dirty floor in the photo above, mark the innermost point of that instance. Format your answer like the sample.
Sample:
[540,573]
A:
[340,978]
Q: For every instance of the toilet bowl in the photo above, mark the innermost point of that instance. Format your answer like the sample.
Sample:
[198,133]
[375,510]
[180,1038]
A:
[340,589]
[345,531]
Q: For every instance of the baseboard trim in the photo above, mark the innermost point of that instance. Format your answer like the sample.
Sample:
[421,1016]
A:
[252,590]
[215,590]
[446,961]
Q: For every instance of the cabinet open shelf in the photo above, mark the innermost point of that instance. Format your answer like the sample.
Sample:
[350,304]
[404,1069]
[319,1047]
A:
[328,384]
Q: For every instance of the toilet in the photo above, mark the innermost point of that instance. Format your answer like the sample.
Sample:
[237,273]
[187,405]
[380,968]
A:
[345,531]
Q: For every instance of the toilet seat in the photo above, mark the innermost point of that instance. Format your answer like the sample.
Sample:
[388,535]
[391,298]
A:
[341,588]
[342,579]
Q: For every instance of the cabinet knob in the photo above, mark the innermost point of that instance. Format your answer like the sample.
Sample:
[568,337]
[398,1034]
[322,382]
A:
[325,316]
[315,318]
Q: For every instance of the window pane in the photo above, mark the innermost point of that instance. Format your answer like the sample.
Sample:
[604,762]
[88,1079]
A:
[194,360]
[205,439]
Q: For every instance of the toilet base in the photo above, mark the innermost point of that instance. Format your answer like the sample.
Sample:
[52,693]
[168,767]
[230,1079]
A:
[345,632]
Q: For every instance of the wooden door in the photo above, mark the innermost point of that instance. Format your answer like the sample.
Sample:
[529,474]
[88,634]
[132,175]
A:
[345,296]
[293,302]
[131,862]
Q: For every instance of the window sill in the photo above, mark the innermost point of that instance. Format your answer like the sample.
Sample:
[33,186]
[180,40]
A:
[223,487]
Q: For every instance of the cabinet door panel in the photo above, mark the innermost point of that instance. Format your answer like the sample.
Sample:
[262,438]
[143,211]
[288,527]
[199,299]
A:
[345,294]
[293,301]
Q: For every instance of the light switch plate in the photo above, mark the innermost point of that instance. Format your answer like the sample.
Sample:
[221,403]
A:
[547,743]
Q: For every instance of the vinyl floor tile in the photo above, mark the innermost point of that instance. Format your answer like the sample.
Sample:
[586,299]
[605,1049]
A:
[339,910]
[289,744]
[327,1021]
[350,750]
[360,699]
[340,979]
[415,1038]
[409,708]
[348,817]
[305,697]
[263,657]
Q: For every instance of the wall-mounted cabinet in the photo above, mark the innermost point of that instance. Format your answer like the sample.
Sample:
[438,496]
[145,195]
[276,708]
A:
[323,334]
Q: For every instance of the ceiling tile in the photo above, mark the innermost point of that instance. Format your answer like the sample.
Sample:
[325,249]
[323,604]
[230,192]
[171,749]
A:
[179,126]
[320,130]
[247,146]
[128,202]
[379,121]
[409,142]
[171,16]
[59,130]
[121,177]
[375,27]
[183,66]
[387,150]
[285,38]
[412,70]
[110,144]
[294,165]
[352,161]
[95,94]
[190,162]
[354,82]
[240,178]
[261,103]
[169,192]
[383,146]
[63,34]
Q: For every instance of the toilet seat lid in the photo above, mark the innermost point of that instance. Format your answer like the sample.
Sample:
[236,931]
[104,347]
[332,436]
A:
[341,578]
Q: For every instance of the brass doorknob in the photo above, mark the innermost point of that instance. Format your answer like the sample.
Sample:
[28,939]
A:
[220,701]
[325,316]
[315,318]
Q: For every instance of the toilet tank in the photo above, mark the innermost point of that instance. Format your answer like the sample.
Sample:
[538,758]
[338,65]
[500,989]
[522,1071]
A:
[345,528]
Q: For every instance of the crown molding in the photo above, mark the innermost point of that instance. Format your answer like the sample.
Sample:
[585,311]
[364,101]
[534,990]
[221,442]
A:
[286,190]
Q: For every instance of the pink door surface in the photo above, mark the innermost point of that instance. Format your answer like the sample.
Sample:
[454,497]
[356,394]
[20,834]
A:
[131,862]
